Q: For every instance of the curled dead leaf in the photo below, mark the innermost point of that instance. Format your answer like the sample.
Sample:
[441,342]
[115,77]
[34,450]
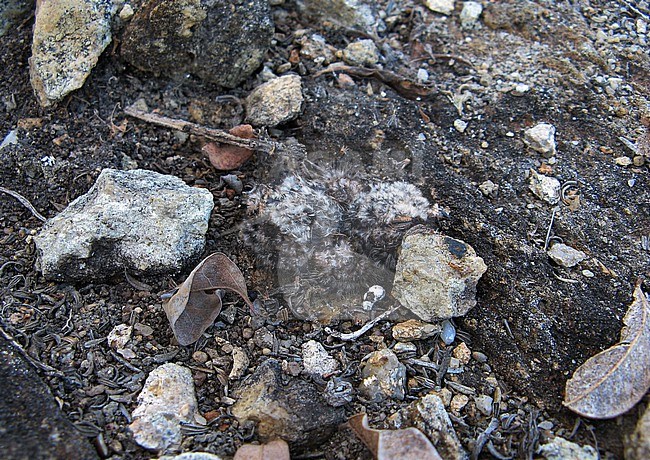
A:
[406,444]
[196,303]
[227,157]
[274,450]
[613,381]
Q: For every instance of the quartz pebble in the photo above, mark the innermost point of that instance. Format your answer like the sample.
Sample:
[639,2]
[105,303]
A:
[544,187]
[383,376]
[316,360]
[119,336]
[275,102]
[541,138]
[565,256]
[166,400]
[361,53]
[484,404]
[470,14]
[440,6]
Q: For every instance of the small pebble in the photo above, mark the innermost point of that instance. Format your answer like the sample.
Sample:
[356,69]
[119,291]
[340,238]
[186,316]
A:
[588,273]
[484,404]
[623,161]
[200,357]
[479,357]
[462,353]
[458,402]
[448,334]
[460,125]
[545,425]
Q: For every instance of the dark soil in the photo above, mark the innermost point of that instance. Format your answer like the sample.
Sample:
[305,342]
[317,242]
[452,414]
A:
[535,321]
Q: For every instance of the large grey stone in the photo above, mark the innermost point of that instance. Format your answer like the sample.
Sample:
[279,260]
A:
[69,37]
[285,407]
[436,275]
[140,221]
[31,424]
[220,41]
[166,400]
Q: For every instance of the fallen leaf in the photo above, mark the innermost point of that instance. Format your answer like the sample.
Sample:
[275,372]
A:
[196,303]
[406,444]
[227,157]
[613,381]
[274,450]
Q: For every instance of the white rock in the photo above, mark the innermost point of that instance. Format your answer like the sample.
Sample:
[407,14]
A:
[623,161]
[460,125]
[440,6]
[166,400]
[436,275]
[470,14]
[561,449]
[275,102]
[69,37]
[484,404]
[565,256]
[488,188]
[544,187]
[361,53]
[240,363]
[316,360]
[139,221]
[541,138]
[119,336]
[126,12]
[10,139]
[349,13]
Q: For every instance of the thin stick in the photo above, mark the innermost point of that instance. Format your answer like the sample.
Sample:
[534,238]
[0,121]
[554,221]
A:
[548,232]
[366,327]
[25,202]
[213,134]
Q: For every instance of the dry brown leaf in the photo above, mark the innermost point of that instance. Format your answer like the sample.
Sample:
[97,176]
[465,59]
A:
[227,157]
[406,444]
[274,450]
[613,381]
[196,304]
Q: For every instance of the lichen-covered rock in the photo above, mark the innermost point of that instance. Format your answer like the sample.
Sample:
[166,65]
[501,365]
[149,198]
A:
[69,37]
[436,275]
[383,376]
[166,400]
[139,221]
[222,42]
[316,360]
[275,102]
[293,410]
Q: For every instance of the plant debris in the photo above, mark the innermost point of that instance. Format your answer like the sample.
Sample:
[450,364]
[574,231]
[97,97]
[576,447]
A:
[613,381]
[197,302]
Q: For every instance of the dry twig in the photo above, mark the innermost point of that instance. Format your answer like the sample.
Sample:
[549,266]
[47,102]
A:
[25,202]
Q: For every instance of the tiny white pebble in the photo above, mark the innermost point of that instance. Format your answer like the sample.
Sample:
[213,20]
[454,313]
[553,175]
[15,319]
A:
[588,273]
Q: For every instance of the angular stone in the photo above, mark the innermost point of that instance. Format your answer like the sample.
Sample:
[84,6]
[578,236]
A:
[561,449]
[436,275]
[470,14]
[361,53]
[383,376]
[565,256]
[69,37]
[430,417]
[139,221]
[191,456]
[541,138]
[285,407]
[316,360]
[166,400]
[440,6]
[415,330]
[275,102]
[222,42]
[31,423]
[544,187]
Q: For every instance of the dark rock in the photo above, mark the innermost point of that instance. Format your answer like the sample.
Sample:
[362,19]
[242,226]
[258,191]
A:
[295,411]
[221,42]
[31,424]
